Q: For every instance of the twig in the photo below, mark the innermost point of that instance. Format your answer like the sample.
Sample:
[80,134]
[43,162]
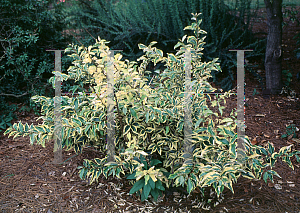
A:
[75,37]
[120,117]
[89,33]
[17,96]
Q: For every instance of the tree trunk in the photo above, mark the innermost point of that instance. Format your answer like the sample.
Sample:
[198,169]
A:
[273,51]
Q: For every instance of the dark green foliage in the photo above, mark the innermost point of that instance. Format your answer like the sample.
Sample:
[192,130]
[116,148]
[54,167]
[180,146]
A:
[5,121]
[290,130]
[28,29]
[146,184]
[129,22]
[297,50]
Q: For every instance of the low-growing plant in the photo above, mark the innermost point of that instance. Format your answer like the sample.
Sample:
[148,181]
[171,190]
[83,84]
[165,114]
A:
[148,179]
[255,92]
[149,124]
[290,130]
[287,76]
[5,121]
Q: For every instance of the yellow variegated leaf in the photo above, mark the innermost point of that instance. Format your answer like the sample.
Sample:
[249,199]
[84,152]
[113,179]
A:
[92,69]
[153,177]
[87,60]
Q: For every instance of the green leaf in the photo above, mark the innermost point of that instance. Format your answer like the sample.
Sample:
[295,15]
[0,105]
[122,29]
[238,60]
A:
[297,158]
[15,126]
[111,164]
[270,148]
[124,110]
[248,175]
[133,113]
[189,186]
[21,127]
[32,138]
[151,183]
[159,185]
[76,104]
[40,129]
[152,43]
[198,122]
[159,52]
[142,46]
[149,130]
[134,128]
[143,197]
[77,121]
[180,126]
[147,116]
[146,190]
[224,141]
[229,132]
[26,127]
[172,57]
[143,161]
[167,129]
[264,151]
[233,148]
[126,129]
[154,162]
[178,45]
[288,161]
[154,194]
[210,130]
[265,177]
[192,40]
[137,186]
[188,28]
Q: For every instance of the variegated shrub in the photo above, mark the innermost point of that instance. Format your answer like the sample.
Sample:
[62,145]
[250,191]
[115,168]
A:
[149,120]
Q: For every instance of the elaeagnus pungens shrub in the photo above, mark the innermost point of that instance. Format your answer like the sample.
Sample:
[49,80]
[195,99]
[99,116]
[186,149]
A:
[149,122]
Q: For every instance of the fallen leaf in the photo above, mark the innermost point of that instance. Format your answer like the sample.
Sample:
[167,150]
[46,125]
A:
[254,141]
[267,136]
[278,186]
[64,178]
[296,140]
[271,184]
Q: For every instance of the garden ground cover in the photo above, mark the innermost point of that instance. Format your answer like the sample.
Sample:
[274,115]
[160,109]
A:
[29,182]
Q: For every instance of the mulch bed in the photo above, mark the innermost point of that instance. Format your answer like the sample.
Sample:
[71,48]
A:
[29,182]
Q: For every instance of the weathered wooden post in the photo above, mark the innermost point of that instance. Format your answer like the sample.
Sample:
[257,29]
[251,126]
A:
[57,110]
[188,145]
[240,101]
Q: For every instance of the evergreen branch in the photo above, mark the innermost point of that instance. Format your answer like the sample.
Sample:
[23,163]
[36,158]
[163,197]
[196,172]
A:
[75,37]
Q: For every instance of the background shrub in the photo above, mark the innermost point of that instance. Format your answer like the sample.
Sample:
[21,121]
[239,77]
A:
[129,22]
[28,29]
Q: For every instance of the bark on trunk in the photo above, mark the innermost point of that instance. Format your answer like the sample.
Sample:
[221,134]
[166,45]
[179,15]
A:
[273,51]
